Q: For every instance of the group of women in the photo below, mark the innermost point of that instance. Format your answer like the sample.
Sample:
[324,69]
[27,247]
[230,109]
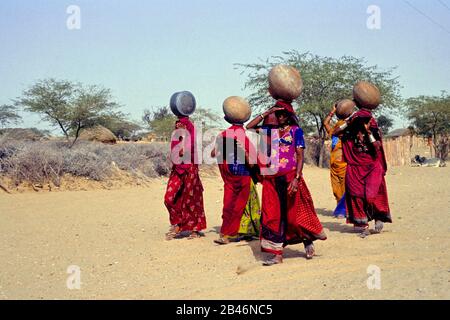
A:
[286,215]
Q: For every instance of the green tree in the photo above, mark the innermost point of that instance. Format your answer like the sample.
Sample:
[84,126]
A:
[67,105]
[208,118]
[325,81]
[8,115]
[385,123]
[430,117]
[160,120]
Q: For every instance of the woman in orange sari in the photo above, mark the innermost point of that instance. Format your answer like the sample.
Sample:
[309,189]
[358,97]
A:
[337,165]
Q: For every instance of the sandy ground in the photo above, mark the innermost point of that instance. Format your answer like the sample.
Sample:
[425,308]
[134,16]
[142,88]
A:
[116,237]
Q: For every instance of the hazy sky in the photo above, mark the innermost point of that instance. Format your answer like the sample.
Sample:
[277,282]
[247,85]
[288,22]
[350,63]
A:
[146,50]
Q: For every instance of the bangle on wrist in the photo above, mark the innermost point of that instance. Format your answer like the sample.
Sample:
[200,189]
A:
[343,126]
[262,116]
[372,138]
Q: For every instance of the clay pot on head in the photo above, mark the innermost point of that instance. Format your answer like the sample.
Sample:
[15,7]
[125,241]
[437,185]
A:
[345,108]
[366,95]
[285,83]
[236,109]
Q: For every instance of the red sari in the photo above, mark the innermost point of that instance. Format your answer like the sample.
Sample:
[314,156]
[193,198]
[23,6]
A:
[236,178]
[366,192]
[287,219]
[184,194]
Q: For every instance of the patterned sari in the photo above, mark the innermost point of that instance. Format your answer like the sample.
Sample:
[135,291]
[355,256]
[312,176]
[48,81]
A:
[287,219]
[366,192]
[251,219]
[184,194]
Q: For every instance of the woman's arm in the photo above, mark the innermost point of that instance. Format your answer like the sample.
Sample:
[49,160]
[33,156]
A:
[327,120]
[254,123]
[293,186]
[339,130]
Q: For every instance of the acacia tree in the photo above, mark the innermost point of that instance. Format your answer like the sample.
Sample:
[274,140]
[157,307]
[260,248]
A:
[8,115]
[325,81]
[385,123]
[161,120]
[67,105]
[430,117]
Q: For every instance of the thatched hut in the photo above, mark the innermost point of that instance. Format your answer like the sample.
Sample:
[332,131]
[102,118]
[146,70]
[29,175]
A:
[99,134]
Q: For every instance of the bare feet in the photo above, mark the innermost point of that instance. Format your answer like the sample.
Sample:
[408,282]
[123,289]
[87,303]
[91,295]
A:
[222,241]
[364,232]
[310,251]
[226,239]
[174,231]
[378,226]
[194,235]
[276,259]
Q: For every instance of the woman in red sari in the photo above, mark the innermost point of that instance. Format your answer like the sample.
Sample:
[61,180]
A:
[184,194]
[366,193]
[233,149]
[288,214]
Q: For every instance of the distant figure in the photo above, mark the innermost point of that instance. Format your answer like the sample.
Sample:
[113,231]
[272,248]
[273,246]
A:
[366,192]
[288,214]
[419,161]
[337,165]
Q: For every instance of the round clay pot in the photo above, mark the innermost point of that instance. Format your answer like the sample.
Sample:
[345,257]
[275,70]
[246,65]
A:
[285,83]
[366,95]
[345,108]
[236,109]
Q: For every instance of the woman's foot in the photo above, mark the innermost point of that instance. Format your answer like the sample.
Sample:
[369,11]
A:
[276,259]
[194,235]
[310,251]
[363,231]
[226,240]
[378,226]
[174,231]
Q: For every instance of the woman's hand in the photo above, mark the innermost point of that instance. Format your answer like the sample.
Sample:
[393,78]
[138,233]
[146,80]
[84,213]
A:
[293,187]
[272,110]
[333,109]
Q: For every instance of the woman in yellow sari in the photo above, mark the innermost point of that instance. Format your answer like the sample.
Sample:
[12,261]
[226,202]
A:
[337,165]
[251,219]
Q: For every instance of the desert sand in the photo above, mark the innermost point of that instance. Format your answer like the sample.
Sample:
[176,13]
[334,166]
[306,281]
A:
[116,237]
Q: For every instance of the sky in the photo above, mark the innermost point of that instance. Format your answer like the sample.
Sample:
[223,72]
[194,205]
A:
[146,50]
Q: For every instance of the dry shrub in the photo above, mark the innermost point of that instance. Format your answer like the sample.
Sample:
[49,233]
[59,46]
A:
[42,162]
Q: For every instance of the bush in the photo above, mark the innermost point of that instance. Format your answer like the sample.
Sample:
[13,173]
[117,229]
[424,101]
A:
[48,161]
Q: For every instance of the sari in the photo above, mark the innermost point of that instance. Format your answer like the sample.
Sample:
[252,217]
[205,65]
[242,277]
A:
[237,179]
[184,194]
[337,171]
[366,192]
[250,221]
[287,219]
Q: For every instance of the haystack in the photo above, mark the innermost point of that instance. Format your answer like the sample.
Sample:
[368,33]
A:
[19,134]
[99,134]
